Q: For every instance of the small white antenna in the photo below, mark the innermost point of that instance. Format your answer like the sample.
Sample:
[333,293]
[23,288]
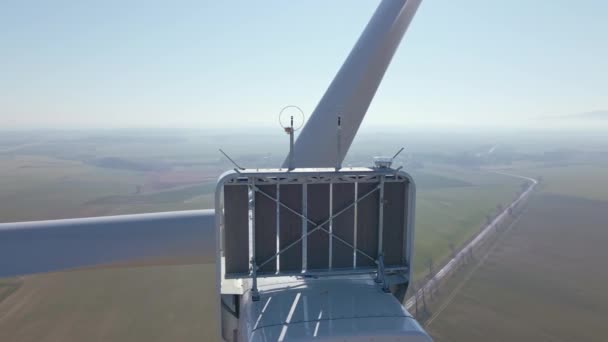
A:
[338,143]
[290,132]
[398,152]
[232,161]
[286,120]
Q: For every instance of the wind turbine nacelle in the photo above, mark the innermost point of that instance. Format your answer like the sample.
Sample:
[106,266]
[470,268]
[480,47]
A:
[315,253]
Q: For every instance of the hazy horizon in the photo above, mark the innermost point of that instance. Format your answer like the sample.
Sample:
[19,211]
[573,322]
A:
[552,124]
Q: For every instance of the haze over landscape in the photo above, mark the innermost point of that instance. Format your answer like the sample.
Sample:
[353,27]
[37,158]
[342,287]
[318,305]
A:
[119,108]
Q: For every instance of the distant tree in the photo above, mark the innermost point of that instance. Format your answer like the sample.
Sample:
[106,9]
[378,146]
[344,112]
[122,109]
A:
[436,287]
[499,208]
[424,301]
[415,298]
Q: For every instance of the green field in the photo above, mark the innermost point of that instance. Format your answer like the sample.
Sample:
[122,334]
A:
[89,176]
[168,303]
[579,180]
[452,215]
[8,287]
[545,279]
[37,187]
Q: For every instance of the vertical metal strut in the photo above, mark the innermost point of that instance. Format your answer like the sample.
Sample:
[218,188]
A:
[331,223]
[304,227]
[278,242]
[381,215]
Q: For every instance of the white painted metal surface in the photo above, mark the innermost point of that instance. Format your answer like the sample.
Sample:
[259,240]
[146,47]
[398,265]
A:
[354,87]
[328,309]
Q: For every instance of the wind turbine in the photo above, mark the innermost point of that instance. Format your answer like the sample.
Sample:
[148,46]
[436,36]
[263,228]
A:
[339,286]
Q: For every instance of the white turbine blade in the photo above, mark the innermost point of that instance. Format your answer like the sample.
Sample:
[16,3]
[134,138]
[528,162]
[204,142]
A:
[353,88]
[44,246]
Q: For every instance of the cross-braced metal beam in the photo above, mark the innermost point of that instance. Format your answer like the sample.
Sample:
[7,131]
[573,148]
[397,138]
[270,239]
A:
[317,226]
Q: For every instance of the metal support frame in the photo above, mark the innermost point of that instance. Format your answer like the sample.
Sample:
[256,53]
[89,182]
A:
[381,275]
[278,236]
[291,156]
[255,294]
[315,176]
[251,206]
[331,225]
[380,215]
[409,222]
[355,226]
[339,143]
[305,220]
[255,178]
[316,226]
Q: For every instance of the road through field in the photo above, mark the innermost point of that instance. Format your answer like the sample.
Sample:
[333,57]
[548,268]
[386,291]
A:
[470,274]
[487,229]
[541,281]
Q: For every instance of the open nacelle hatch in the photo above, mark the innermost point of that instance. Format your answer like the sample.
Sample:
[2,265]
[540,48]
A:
[314,222]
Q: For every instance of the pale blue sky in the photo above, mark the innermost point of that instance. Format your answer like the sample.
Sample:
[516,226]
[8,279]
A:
[199,63]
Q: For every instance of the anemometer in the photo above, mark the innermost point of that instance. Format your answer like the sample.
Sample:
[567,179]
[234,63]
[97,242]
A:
[291,118]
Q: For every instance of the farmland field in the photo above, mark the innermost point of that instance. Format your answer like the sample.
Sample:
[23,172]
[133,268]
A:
[579,180]
[107,175]
[166,303]
[545,279]
[451,215]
